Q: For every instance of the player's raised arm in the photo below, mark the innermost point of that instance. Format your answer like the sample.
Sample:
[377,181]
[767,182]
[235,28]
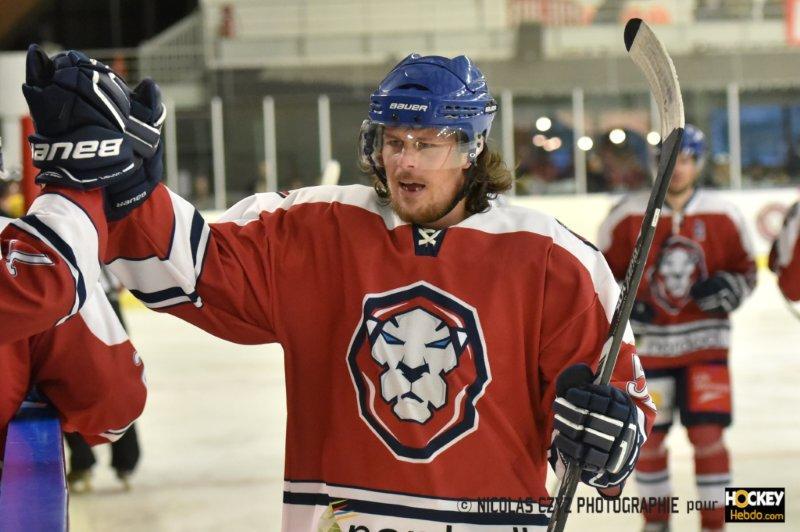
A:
[784,258]
[214,276]
[82,145]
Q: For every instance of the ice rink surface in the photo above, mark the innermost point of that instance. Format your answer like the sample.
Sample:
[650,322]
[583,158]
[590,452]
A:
[212,433]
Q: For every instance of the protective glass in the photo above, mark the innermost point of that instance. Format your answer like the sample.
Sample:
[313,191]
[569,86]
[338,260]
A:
[425,148]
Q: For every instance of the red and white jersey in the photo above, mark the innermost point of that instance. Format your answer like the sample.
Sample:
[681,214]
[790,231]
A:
[85,366]
[420,364]
[709,236]
[50,261]
[784,258]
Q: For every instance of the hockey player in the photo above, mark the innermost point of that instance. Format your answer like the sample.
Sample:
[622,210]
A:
[700,269]
[424,326]
[58,330]
[784,257]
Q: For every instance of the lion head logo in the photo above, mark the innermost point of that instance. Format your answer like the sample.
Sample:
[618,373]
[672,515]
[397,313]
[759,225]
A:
[418,364]
[680,263]
[416,349]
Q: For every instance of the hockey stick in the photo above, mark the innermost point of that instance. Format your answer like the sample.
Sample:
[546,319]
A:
[651,57]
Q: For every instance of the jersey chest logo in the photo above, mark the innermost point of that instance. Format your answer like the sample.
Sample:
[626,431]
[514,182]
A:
[681,262]
[418,363]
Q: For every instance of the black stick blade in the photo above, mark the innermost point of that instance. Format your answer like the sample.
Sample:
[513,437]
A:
[631,29]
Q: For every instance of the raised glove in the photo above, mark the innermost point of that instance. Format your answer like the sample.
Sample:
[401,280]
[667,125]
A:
[597,427]
[84,136]
[722,292]
[149,112]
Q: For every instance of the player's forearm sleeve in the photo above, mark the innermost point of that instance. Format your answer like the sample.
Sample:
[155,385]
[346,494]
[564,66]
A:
[50,257]
[214,276]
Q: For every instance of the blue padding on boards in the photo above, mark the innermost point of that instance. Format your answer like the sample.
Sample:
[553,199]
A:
[33,491]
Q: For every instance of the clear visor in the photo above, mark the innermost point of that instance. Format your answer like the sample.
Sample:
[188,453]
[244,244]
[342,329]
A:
[424,148]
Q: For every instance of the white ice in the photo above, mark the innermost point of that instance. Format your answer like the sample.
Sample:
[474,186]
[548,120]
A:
[212,434]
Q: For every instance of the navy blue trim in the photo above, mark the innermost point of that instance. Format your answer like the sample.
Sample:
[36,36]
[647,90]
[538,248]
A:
[63,248]
[134,259]
[425,514]
[388,492]
[579,237]
[426,249]
[163,295]
[194,235]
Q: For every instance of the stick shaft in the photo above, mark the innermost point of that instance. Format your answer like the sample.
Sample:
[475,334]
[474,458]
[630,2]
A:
[622,312]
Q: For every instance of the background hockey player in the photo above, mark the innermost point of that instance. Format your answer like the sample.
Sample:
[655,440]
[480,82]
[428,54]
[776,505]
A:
[700,269]
[423,326]
[784,258]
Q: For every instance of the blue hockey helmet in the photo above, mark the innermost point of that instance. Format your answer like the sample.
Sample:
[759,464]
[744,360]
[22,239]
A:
[693,143]
[449,96]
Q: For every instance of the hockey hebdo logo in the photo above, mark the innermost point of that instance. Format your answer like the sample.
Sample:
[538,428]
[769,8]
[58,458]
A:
[755,505]
[418,364]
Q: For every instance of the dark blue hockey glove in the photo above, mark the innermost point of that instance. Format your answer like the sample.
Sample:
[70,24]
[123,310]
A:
[597,427]
[642,312]
[146,109]
[722,292]
[84,136]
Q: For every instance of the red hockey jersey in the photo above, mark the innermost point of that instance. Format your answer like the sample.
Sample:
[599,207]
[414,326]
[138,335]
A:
[420,364]
[709,236]
[784,258]
[85,366]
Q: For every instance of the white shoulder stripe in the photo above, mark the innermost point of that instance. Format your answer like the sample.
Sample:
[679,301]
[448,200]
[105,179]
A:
[99,317]
[162,283]
[360,196]
[75,229]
